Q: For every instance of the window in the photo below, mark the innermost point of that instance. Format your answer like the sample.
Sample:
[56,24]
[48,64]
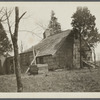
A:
[40,60]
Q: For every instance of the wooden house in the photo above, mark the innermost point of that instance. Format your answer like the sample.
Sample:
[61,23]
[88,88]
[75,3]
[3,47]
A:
[60,50]
[3,58]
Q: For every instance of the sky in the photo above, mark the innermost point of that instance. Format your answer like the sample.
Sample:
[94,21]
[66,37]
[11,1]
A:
[38,13]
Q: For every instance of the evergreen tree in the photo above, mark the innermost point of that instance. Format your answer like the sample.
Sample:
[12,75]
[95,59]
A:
[84,26]
[53,24]
[5,44]
[84,22]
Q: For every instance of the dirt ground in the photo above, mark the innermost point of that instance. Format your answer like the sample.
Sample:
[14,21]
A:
[58,81]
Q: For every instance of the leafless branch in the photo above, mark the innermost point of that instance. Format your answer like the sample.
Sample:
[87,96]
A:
[1,9]
[26,17]
[31,32]
[41,25]
[22,15]
[9,26]
[7,15]
[2,16]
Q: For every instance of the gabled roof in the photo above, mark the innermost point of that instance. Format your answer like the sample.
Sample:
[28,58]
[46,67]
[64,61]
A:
[51,44]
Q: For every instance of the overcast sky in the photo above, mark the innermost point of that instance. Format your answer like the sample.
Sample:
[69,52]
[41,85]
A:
[39,13]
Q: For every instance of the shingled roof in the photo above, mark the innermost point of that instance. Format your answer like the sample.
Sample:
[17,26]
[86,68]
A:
[51,44]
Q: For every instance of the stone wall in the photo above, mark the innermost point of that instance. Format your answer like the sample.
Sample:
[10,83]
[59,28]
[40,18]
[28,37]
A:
[76,53]
[25,60]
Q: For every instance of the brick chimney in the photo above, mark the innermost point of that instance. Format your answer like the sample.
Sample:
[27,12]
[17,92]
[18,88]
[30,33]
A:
[48,32]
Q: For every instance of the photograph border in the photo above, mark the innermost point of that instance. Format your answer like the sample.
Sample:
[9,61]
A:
[49,96]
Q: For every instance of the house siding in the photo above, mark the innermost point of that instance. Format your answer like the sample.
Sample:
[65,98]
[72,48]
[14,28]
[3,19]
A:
[25,60]
[64,55]
[51,62]
[9,61]
[62,58]
[48,59]
[2,61]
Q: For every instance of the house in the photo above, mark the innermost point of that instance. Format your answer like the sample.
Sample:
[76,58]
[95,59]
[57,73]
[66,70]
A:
[9,65]
[3,58]
[60,50]
[25,59]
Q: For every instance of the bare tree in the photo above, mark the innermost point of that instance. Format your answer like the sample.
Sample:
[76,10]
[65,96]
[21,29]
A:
[41,25]
[14,37]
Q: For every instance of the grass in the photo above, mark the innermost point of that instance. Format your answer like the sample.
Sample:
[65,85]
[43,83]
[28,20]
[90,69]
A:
[58,81]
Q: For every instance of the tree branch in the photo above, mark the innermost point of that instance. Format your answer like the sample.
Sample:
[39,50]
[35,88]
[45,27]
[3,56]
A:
[7,14]
[22,16]
[7,17]
[1,9]
[42,26]
[31,32]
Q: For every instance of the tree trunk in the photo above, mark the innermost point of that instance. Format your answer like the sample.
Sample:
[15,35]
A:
[80,53]
[94,56]
[17,68]
[16,55]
